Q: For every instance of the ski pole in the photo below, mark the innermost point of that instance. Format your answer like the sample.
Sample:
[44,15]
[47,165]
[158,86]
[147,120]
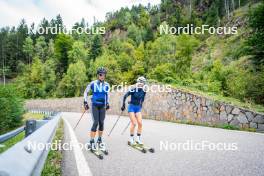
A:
[79,119]
[125,128]
[115,123]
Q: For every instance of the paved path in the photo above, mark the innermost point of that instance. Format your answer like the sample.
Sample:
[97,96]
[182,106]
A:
[248,159]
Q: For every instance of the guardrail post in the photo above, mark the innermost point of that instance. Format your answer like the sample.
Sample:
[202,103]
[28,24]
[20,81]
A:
[30,127]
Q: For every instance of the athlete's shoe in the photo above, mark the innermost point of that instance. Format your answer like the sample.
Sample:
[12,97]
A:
[99,140]
[100,143]
[92,144]
[138,140]
[131,140]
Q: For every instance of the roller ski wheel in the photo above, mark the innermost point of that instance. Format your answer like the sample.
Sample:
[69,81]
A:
[137,147]
[97,153]
[100,157]
[103,148]
[106,152]
[151,150]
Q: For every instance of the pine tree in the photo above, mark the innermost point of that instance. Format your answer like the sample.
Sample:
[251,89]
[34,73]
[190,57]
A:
[28,49]
[96,48]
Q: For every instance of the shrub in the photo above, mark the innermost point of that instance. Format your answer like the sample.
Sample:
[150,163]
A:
[11,106]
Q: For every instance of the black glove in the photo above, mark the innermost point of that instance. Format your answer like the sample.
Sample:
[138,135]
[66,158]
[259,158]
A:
[123,107]
[86,106]
[107,106]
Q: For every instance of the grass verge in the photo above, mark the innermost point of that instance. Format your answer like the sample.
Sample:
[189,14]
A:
[36,116]
[9,143]
[52,165]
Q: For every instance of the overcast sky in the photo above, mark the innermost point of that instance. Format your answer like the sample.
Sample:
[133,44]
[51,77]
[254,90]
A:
[12,11]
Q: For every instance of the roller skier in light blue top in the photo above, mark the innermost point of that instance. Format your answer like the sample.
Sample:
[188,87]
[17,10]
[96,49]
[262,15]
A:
[100,103]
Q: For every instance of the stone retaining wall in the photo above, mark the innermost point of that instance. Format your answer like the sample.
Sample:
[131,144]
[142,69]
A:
[169,106]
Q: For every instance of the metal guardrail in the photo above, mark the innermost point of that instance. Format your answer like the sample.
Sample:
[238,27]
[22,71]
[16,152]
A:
[39,123]
[11,134]
[23,160]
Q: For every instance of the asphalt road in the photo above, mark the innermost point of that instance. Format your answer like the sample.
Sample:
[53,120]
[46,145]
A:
[238,153]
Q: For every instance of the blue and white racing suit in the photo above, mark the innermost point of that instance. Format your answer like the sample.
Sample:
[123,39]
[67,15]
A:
[99,99]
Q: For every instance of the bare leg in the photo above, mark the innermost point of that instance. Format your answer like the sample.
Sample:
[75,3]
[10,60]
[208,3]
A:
[139,122]
[139,129]
[92,134]
[100,133]
[133,122]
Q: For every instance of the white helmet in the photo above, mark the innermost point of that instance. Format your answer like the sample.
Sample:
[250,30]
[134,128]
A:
[141,79]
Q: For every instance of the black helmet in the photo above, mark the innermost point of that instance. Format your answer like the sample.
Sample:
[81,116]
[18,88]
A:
[101,70]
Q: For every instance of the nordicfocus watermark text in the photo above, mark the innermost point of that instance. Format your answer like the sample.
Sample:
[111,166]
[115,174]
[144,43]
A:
[59,29]
[123,87]
[204,145]
[188,145]
[61,146]
[192,29]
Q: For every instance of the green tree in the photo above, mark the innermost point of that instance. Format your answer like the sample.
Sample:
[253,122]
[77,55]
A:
[108,61]
[162,72]
[37,80]
[96,48]
[125,62]
[63,44]
[134,33]
[140,52]
[171,11]
[78,52]
[212,15]
[162,50]
[185,46]
[31,83]
[51,50]
[28,49]
[49,78]
[74,81]
[255,87]
[255,41]
[40,48]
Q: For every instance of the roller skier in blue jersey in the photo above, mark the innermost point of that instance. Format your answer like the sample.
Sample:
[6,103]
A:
[137,94]
[100,103]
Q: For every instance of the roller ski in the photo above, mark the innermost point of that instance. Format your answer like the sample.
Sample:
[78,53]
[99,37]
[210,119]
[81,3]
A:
[101,146]
[150,149]
[95,150]
[140,146]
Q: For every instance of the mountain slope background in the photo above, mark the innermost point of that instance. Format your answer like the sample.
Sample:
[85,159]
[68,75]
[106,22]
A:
[225,66]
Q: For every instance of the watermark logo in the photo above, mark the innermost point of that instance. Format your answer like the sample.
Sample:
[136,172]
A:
[192,29]
[204,145]
[123,87]
[59,29]
[57,145]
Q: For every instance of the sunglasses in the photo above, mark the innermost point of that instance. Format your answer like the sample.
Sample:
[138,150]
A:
[100,74]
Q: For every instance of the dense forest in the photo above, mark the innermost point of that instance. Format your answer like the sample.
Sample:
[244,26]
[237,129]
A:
[60,65]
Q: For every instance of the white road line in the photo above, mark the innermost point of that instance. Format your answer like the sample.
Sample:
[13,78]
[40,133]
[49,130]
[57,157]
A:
[82,165]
